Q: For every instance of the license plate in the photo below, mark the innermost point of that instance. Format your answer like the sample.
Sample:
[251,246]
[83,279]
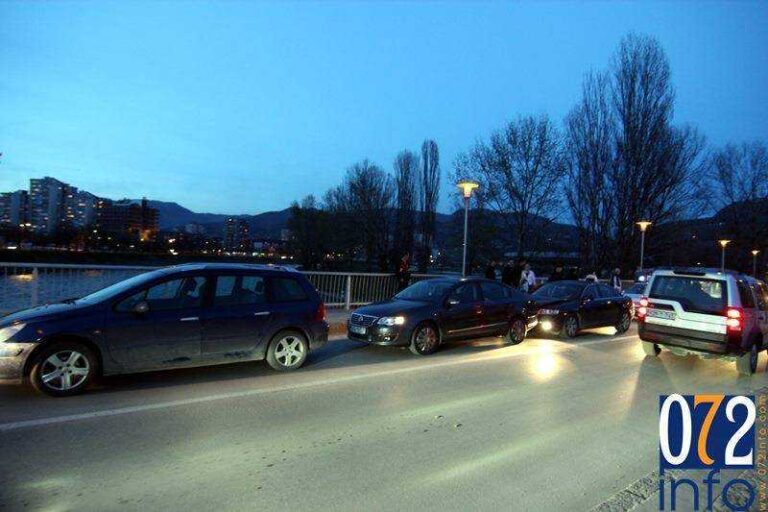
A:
[357,329]
[666,315]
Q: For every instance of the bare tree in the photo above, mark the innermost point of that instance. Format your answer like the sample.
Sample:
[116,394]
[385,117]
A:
[653,174]
[519,172]
[429,194]
[590,155]
[406,171]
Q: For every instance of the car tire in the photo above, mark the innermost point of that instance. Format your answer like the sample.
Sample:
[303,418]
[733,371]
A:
[63,369]
[651,349]
[425,339]
[287,351]
[624,323]
[570,327]
[747,364]
[516,333]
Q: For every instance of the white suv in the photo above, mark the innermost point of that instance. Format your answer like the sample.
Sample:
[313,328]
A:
[705,311]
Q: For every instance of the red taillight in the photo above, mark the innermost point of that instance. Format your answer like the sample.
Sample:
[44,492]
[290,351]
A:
[320,313]
[733,319]
[643,309]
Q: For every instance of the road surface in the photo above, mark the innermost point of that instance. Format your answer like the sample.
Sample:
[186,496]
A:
[545,425]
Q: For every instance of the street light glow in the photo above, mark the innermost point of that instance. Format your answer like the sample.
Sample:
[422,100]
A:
[723,243]
[643,224]
[467,187]
[755,252]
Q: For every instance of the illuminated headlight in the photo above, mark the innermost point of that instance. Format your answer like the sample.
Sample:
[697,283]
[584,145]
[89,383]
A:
[550,312]
[391,320]
[546,325]
[7,333]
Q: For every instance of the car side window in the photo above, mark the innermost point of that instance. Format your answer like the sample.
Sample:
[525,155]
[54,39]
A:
[762,296]
[492,291]
[238,290]
[286,289]
[606,292]
[590,292]
[465,294]
[745,294]
[183,293]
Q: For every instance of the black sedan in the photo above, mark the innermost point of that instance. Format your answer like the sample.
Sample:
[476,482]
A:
[182,316]
[567,307]
[429,312]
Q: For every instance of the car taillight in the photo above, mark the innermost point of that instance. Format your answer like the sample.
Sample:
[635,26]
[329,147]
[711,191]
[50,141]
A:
[643,309]
[733,319]
[320,313]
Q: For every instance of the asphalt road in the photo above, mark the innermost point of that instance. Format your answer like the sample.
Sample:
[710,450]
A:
[545,425]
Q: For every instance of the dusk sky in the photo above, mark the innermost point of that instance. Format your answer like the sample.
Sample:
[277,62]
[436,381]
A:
[232,107]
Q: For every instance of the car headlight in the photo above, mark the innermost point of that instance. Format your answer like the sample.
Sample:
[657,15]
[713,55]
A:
[7,333]
[391,320]
[550,312]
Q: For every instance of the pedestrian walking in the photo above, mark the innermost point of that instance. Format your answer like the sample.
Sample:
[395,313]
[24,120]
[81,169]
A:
[508,273]
[616,279]
[490,270]
[517,272]
[591,277]
[527,279]
[403,272]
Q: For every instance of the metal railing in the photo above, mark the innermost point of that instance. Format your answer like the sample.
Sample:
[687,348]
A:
[25,285]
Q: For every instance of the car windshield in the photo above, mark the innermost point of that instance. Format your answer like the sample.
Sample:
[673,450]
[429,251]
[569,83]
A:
[558,291]
[694,294]
[427,291]
[120,287]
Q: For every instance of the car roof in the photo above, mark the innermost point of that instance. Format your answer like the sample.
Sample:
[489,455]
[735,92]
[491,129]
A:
[570,281]
[229,267]
[707,272]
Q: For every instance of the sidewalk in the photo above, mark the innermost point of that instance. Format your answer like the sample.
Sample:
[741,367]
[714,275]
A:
[337,320]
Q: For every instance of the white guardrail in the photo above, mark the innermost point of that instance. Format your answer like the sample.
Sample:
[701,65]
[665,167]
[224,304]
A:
[25,285]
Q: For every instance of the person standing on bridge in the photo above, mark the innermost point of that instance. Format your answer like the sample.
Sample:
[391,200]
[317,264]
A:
[403,272]
[527,279]
[616,279]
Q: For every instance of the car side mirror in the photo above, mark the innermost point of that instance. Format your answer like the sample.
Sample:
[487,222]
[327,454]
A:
[141,308]
[451,303]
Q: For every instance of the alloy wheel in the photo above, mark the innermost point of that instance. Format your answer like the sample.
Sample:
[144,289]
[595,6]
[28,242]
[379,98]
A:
[65,370]
[625,322]
[571,327]
[425,339]
[517,332]
[289,351]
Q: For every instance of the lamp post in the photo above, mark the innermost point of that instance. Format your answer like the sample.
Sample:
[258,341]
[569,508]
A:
[466,187]
[643,226]
[755,252]
[723,243]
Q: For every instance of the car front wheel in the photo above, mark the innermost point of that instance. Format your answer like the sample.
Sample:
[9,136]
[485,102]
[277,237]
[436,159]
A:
[571,327]
[625,320]
[63,369]
[747,364]
[288,351]
[424,340]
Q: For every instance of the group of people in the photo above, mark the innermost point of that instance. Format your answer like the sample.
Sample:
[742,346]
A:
[518,274]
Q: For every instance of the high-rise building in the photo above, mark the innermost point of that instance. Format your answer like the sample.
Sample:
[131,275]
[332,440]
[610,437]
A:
[85,208]
[127,218]
[14,209]
[51,204]
[237,235]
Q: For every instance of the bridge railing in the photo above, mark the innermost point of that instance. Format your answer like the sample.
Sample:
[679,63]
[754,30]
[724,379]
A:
[25,285]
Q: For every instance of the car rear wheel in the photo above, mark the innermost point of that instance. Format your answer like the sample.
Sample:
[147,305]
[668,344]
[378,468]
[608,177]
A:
[571,327]
[63,369]
[651,349]
[516,332]
[625,320]
[747,364]
[287,351]
[424,339]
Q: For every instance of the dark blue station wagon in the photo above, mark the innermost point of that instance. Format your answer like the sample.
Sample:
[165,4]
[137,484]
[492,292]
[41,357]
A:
[181,316]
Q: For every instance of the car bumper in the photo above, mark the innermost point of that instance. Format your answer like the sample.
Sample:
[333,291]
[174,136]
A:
[319,335]
[688,340]
[380,335]
[13,358]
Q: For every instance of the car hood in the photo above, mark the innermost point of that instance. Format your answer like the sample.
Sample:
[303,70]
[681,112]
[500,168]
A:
[545,303]
[44,312]
[391,307]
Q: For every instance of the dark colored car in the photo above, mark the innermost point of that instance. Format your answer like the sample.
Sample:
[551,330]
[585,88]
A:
[182,316]
[569,306]
[435,310]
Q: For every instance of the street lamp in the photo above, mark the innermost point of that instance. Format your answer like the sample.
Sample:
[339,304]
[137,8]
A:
[723,243]
[643,226]
[755,252]
[466,187]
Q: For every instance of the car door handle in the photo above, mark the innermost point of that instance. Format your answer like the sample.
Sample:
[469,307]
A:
[262,313]
[190,319]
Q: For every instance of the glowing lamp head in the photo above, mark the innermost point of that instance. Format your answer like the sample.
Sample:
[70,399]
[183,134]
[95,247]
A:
[755,252]
[723,243]
[467,187]
[644,224]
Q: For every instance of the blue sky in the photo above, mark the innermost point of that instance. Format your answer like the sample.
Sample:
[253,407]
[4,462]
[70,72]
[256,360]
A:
[241,107]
